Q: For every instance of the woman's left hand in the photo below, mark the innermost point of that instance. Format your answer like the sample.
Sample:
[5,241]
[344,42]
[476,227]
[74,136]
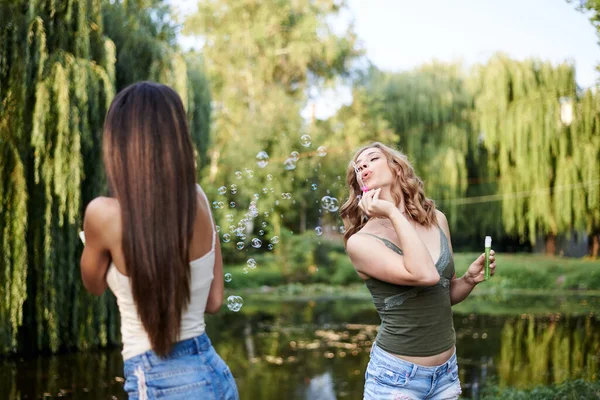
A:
[476,272]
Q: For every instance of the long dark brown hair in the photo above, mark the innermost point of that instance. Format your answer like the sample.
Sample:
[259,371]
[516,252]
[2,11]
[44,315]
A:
[407,185]
[149,161]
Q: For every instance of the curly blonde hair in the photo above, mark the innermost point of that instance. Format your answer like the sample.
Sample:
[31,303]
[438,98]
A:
[408,186]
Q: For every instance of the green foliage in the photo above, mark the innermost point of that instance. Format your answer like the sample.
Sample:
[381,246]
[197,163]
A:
[570,390]
[58,74]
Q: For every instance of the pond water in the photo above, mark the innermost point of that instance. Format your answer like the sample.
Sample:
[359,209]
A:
[318,349]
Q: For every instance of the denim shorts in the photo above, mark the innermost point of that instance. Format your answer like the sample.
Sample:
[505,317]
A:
[390,377]
[193,370]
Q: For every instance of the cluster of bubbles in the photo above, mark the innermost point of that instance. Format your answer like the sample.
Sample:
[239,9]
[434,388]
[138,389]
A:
[330,204]
[218,204]
[235,303]
[286,196]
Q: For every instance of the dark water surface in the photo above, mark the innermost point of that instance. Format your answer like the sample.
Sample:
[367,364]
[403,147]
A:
[319,349]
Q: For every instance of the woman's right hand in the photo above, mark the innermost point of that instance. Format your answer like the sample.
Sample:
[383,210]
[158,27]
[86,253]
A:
[375,207]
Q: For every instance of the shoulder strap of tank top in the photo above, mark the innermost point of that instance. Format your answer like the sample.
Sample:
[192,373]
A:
[387,243]
[212,225]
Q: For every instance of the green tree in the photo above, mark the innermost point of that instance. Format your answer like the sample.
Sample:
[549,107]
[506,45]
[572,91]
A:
[262,58]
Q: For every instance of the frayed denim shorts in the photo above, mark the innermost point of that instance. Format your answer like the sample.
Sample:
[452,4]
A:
[193,370]
[390,377]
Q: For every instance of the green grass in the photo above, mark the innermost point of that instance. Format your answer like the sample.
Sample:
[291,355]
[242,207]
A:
[537,272]
[516,273]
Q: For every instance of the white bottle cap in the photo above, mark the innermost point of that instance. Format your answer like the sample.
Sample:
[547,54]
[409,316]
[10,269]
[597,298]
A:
[488,241]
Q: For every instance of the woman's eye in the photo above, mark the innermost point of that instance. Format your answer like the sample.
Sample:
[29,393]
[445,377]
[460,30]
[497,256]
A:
[373,159]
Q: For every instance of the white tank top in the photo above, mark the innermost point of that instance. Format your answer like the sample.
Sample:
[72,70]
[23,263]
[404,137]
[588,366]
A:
[134,336]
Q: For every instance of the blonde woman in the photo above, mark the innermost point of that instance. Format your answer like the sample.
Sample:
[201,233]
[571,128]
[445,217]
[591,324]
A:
[400,246]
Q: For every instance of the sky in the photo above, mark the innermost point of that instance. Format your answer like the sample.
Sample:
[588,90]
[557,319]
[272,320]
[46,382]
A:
[399,35]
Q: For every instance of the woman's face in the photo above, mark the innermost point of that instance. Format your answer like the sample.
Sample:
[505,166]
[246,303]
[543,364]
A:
[374,169]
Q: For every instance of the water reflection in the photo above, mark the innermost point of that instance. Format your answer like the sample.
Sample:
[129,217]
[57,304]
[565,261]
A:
[319,350]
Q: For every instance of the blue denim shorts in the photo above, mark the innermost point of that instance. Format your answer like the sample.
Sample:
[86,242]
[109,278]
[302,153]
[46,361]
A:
[193,370]
[390,377]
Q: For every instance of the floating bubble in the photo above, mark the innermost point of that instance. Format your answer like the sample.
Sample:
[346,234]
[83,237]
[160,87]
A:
[286,196]
[255,196]
[334,205]
[305,140]
[233,189]
[275,239]
[319,231]
[261,232]
[215,204]
[218,228]
[249,173]
[239,245]
[289,164]
[342,229]
[251,263]
[272,190]
[235,303]
[266,214]
[256,243]
[264,224]
[229,218]
[231,228]
[222,190]
[325,202]
[228,277]
[294,155]
[262,159]
[238,174]
[245,270]
[270,246]
[242,236]
[232,204]
[322,151]
[265,190]
[226,237]
[270,177]
[276,202]
[313,186]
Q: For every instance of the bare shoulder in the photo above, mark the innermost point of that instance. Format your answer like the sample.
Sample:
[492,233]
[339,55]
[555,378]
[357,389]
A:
[442,220]
[102,217]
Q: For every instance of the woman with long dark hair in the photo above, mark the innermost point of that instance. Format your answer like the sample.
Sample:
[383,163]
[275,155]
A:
[400,246]
[154,243]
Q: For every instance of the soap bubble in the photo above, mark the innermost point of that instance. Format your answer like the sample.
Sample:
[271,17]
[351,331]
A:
[262,159]
[233,188]
[226,237]
[251,263]
[275,239]
[222,190]
[270,177]
[249,173]
[294,155]
[289,164]
[305,140]
[313,186]
[319,231]
[322,151]
[235,303]
[256,243]
[228,277]
[334,205]
[232,204]
[238,174]
[229,218]
[240,245]
[261,232]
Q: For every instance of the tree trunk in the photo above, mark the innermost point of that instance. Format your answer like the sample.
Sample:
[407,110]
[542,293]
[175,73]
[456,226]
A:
[551,245]
[595,245]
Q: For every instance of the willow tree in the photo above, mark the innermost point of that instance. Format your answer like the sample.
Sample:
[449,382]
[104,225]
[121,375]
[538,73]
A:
[57,77]
[547,169]
[261,59]
[428,108]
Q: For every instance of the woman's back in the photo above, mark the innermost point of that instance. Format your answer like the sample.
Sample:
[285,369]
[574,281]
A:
[202,253]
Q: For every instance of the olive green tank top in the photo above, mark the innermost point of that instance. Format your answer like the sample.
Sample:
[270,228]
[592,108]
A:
[415,320]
